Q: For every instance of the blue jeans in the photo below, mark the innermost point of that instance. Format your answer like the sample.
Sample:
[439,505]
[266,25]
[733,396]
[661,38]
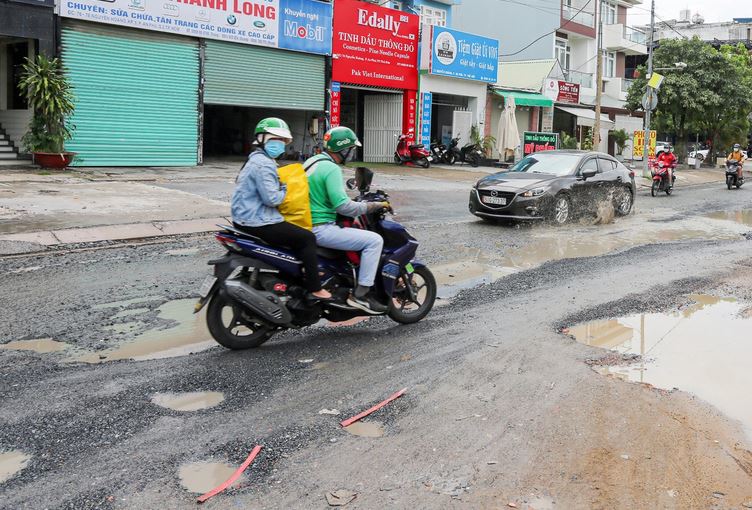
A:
[370,244]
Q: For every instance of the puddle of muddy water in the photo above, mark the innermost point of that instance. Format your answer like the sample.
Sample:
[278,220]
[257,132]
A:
[130,313]
[40,345]
[744,217]
[702,349]
[366,429]
[190,335]
[11,463]
[201,477]
[193,401]
[126,302]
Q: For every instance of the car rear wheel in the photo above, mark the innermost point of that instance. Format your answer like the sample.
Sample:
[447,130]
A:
[623,202]
[561,210]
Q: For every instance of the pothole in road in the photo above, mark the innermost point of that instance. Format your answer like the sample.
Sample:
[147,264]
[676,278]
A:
[366,429]
[40,345]
[12,462]
[743,217]
[703,349]
[126,302]
[190,335]
[201,477]
[192,401]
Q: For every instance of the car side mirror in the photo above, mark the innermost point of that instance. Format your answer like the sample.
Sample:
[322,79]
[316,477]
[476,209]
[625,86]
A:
[588,173]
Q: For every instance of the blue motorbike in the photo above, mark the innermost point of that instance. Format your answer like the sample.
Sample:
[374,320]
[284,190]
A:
[256,289]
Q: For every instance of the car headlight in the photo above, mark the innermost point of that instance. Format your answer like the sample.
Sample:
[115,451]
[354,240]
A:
[534,192]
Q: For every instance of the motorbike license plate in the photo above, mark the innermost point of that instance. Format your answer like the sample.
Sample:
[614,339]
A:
[495,200]
[206,286]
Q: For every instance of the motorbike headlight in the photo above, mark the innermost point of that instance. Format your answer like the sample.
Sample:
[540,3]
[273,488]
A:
[536,192]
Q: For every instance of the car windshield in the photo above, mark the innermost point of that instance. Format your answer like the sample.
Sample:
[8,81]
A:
[548,163]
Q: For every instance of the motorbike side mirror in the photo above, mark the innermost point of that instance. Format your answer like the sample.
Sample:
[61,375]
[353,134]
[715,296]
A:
[363,178]
[588,173]
[350,183]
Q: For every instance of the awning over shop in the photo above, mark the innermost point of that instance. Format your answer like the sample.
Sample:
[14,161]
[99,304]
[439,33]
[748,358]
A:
[586,117]
[525,98]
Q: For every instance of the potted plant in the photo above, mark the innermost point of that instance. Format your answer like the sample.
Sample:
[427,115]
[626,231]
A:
[48,92]
[620,137]
[566,141]
[486,143]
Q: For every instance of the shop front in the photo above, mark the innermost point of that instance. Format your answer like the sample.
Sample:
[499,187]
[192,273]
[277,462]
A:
[27,27]
[165,84]
[374,75]
[456,68]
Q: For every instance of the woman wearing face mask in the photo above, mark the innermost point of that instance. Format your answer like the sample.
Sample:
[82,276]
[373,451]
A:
[257,195]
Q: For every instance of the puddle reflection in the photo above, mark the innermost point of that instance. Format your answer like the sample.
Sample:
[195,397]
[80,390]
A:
[201,477]
[193,401]
[702,349]
[41,345]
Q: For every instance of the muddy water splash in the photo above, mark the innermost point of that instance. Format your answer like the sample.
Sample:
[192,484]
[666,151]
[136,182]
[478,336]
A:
[40,345]
[366,429]
[11,463]
[190,335]
[703,349]
[201,477]
[193,401]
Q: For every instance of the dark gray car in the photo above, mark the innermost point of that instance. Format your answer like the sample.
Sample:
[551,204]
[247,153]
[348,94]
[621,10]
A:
[555,185]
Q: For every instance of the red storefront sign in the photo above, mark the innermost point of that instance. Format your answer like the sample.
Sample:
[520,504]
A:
[409,113]
[374,45]
[562,91]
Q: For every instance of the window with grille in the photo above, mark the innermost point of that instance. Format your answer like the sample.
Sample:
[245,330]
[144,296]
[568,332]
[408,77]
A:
[609,64]
[563,53]
[609,13]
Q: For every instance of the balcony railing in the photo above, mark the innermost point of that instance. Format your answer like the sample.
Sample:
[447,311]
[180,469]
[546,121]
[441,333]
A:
[625,84]
[583,18]
[584,80]
[636,36]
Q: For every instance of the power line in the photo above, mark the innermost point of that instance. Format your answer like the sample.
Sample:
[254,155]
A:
[549,33]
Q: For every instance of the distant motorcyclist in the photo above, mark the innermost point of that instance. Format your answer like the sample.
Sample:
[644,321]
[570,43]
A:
[669,160]
[738,156]
[328,199]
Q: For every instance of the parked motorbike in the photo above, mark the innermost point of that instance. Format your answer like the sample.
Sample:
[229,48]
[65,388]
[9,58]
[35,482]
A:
[411,153]
[661,180]
[439,152]
[471,153]
[256,289]
[732,177]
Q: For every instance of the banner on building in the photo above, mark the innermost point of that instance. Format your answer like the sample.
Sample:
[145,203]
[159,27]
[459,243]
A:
[298,25]
[426,104]
[539,142]
[638,144]
[374,45]
[462,55]
[561,91]
[334,104]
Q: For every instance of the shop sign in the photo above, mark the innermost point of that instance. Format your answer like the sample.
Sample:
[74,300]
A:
[638,144]
[425,118]
[462,55]
[334,104]
[539,142]
[374,45]
[43,3]
[562,91]
[409,113]
[298,25]
[547,124]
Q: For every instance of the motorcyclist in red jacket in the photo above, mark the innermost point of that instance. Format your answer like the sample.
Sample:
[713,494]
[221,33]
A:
[669,160]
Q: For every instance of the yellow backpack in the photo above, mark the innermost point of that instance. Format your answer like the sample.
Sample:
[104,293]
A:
[296,207]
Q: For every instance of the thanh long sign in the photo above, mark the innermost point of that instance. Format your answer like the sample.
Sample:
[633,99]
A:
[299,25]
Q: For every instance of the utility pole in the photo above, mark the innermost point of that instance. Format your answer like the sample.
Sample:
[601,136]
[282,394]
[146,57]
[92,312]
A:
[598,80]
[646,149]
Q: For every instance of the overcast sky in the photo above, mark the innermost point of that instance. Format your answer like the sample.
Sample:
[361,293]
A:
[712,10]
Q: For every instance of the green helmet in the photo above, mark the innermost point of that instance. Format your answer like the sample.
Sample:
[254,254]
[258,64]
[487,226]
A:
[340,138]
[273,126]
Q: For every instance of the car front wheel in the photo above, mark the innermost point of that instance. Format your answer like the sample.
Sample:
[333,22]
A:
[561,210]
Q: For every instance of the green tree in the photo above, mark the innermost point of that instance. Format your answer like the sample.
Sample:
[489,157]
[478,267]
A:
[697,97]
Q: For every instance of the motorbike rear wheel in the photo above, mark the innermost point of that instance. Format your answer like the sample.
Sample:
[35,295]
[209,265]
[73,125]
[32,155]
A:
[449,158]
[423,162]
[409,309]
[474,161]
[232,327]
[669,190]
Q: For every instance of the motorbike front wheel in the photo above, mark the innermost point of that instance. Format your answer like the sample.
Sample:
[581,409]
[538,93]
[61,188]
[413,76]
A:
[450,158]
[729,182]
[654,188]
[232,327]
[414,296]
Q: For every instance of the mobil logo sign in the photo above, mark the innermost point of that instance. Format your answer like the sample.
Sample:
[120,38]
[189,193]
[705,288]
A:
[306,25]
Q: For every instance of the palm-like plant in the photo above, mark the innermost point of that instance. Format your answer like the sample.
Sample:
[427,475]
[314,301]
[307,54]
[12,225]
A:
[486,142]
[620,137]
[48,92]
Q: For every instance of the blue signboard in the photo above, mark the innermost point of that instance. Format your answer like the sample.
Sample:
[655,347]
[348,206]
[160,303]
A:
[306,25]
[426,102]
[461,55]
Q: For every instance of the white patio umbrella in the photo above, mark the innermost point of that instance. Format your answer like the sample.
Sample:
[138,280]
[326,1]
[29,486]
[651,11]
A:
[507,136]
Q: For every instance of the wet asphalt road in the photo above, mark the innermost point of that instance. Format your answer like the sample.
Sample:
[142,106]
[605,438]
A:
[96,440]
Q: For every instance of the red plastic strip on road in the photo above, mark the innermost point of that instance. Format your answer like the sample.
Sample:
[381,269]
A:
[234,476]
[350,421]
